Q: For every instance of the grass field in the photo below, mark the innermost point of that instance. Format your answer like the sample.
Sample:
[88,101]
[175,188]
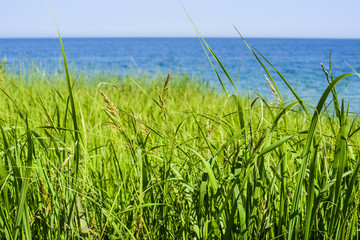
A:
[167,157]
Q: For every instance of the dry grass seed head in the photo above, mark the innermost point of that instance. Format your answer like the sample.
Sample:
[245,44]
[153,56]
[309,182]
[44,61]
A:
[273,91]
[162,97]
[113,111]
[112,108]
[46,120]
[2,81]
[209,127]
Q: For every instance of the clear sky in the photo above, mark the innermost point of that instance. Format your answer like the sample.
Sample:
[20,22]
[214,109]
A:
[167,18]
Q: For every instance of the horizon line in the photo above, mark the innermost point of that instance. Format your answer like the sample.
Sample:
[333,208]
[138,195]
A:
[189,37]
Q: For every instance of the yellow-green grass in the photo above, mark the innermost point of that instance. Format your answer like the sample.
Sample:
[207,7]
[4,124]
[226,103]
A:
[175,160]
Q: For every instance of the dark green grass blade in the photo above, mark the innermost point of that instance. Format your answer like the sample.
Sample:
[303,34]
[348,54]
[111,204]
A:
[72,104]
[209,170]
[21,211]
[305,155]
[278,143]
[214,55]
[263,66]
[301,102]
[76,132]
[311,193]
[240,111]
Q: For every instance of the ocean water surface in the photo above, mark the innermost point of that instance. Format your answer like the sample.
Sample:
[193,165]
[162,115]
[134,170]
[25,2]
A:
[297,59]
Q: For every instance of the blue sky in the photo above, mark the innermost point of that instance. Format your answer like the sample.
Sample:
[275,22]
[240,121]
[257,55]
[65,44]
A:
[166,18]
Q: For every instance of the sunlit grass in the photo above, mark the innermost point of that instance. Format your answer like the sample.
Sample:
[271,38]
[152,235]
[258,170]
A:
[167,157]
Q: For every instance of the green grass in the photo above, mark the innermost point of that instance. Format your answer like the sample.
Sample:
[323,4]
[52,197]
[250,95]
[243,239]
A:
[168,157]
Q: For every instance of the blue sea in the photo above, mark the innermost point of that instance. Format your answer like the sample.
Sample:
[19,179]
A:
[297,59]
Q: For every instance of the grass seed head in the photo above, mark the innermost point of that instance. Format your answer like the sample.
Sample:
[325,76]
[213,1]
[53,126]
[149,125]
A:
[162,97]
[273,91]
[2,81]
